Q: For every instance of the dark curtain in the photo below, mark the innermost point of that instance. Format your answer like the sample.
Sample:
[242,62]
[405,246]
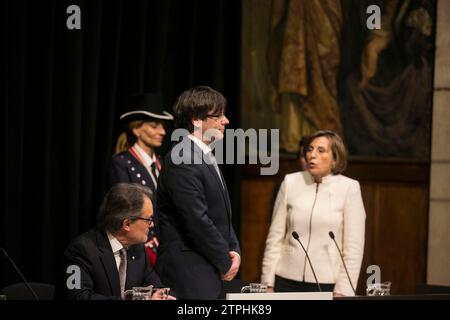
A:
[63,91]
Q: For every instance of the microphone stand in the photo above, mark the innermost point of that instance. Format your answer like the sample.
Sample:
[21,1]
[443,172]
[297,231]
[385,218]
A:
[297,237]
[4,253]
[331,234]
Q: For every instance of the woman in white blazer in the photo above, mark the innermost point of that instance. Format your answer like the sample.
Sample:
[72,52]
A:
[313,203]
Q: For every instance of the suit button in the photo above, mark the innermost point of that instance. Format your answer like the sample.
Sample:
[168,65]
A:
[143,182]
[132,169]
[129,162]
[138,175]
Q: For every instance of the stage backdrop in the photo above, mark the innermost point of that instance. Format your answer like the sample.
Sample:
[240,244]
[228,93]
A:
[63,91]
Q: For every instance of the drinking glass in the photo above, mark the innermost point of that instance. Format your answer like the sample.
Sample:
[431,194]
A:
[139,293]
[379,289]
[254,288]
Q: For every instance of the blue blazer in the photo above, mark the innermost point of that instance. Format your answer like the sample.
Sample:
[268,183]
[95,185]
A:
[196,233]
[92,252]
[126,168]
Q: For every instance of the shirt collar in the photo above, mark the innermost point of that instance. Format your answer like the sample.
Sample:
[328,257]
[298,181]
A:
[203,146]
[144,156]
[115,244]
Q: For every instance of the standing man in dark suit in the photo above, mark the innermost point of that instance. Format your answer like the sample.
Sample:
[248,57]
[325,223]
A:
[198,246]
[111,258]
[135,159]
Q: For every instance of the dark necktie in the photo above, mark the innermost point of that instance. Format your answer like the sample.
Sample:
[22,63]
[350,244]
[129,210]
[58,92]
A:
[122,270]
[154,170]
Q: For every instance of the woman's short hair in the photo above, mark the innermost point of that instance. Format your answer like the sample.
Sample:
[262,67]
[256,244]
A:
[123,201]
[337,147]
[197,103]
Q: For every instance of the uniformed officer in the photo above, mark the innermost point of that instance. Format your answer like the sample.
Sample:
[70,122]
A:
[135,159]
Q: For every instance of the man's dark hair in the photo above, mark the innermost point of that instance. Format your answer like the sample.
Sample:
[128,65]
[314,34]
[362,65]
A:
[195,104]
[123,201]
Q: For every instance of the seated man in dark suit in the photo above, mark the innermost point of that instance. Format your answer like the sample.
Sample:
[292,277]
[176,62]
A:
[112,258]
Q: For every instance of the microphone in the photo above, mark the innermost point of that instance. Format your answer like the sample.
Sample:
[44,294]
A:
[331,234]
[5,254]
[297,237]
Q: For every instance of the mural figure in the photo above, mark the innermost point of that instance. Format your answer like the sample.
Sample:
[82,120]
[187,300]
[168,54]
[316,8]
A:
[304,58]
[386,100]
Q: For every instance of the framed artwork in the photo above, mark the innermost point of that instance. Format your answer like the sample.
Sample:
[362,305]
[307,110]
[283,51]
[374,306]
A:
[310,65]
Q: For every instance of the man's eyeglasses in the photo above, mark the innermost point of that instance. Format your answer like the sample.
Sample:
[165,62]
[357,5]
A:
[149,220]
[216,116]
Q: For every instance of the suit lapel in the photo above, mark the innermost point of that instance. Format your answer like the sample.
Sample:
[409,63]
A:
[133,269]
[216,176]
[109,264]
[227,196]
[212,170]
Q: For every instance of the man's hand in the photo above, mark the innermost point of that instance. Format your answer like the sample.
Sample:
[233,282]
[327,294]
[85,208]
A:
[235,263]
[162,294]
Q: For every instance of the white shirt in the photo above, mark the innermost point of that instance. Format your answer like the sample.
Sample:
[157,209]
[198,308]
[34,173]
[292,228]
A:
[116,247]
[146,159]
[203,146]
[207,151]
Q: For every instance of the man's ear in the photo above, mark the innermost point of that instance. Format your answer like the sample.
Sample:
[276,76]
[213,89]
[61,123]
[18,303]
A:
[126,224]
[197,123]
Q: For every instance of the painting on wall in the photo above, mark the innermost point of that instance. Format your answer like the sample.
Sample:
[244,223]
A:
[310,65]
